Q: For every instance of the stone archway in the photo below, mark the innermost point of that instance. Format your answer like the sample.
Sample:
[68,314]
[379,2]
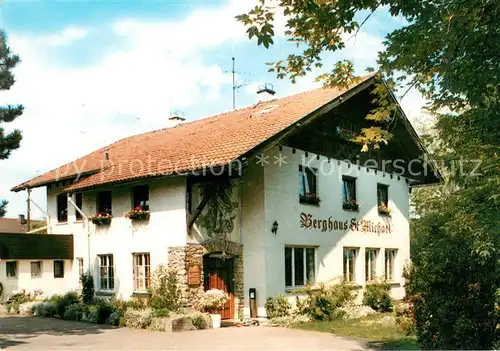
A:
[183,258]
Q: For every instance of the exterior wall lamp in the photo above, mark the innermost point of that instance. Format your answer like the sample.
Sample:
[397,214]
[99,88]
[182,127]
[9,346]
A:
[274,229]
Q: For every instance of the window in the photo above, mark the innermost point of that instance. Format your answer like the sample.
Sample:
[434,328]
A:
[142,271]
[104,202]
[106,272]
[371,264]
[79,204]
[382,195]
[390,263]
[349,193]
[350,255]
[300,265]
[308,186]
[80,270]
[80,266]
[140,197]
[58,269]
[62,208]
[36,269]
[11,269]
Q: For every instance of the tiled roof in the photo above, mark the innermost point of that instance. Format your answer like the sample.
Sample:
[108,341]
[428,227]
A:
[216,140]
[14,225]
[11,225]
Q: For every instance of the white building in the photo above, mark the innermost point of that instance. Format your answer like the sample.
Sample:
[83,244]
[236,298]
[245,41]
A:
[281,157]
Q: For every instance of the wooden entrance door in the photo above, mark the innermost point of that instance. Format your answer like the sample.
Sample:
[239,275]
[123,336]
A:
[219,274]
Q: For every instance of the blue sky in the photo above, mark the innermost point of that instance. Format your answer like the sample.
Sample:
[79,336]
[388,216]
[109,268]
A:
[96,71]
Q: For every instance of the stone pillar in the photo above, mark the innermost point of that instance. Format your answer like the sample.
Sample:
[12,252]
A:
[179,259]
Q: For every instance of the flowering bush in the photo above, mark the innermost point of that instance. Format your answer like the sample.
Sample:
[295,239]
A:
[310,198]
[102,218]
[350,204]
[384,210]
[138,213]
[214,299]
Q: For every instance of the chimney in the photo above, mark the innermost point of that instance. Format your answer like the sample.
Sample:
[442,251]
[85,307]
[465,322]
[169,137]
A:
[22,219]
[266,92]
[176,118]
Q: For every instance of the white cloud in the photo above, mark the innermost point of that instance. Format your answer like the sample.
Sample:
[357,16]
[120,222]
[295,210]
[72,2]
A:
[70,111]
[66,37]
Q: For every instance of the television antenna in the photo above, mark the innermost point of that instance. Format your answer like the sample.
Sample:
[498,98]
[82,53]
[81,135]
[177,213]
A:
[237,84]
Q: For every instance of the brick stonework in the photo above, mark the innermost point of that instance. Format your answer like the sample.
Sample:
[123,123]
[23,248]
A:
[179,258]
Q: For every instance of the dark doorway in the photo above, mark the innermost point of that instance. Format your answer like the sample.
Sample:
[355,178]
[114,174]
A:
[219,274]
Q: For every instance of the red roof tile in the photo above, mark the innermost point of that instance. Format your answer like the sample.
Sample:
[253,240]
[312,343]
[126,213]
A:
[190,146]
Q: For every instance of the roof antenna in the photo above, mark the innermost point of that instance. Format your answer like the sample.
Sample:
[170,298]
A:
[234,85]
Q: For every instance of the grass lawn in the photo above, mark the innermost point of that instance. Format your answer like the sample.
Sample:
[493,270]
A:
[369,329]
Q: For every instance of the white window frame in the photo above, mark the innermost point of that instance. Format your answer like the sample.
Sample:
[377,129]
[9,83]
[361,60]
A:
[368,267]
[106,261]
[40,269]
[293,247]
[390,258]
[141,272]
[7,271]
[347,277]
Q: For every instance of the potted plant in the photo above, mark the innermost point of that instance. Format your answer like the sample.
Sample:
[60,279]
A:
[384,210]
[212,301]
[350,204]
[138,214]
[310,198]
[102,218]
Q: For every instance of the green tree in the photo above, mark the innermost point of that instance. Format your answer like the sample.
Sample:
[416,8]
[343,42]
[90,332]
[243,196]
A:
[3,207]
[447,50]
[9,141]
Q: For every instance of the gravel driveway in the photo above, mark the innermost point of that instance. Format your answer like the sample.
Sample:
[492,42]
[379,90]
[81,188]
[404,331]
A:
[48,333]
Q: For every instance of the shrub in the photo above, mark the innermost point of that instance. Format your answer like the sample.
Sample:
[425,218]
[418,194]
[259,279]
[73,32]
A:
[45,309]
[163,312]
[378,297]
[140,319]
[165,292]
[74,312]
[453,281]
[277,307]
[88,290]
[91,315]
[15,300]
[104,310]
[138,303]
[405,317]
[63,301]
[199,321]
[115,318]
[323,302]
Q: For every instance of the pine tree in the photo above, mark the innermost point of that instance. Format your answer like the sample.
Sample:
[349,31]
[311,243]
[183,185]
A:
[8,140]
[3,207]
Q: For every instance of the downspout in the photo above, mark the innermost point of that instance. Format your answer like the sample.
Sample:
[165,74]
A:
[70,200]
[240,200]
[28,210]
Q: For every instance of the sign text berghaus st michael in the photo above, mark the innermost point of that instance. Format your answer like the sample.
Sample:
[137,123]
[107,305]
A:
[308,222]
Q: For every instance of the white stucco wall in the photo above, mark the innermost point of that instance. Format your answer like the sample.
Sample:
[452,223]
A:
[282,205]
[166,228]
[268,193]
[46,282]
